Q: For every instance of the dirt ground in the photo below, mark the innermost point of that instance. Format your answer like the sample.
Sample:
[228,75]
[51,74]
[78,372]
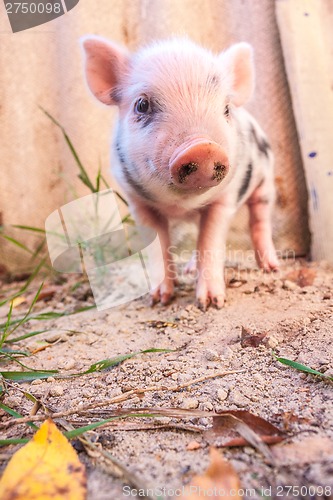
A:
[292,311]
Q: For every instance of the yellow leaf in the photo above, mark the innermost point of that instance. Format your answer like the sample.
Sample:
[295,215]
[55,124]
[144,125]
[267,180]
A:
[219,478]
[46,468]
[18,301]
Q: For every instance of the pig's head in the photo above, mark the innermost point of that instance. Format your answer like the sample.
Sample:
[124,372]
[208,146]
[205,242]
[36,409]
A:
[176,103]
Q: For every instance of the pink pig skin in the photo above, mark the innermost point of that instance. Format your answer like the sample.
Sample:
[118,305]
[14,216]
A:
[184,147]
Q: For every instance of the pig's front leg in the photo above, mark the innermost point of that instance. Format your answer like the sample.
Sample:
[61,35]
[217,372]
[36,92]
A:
[260,207]
[214,225]
[148,216]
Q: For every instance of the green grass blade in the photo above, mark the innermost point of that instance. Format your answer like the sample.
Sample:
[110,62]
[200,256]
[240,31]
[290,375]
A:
[9,315]
[24,319]
[7,442]
[81,430]
[111,362]
[25,336]
[27,376]
[98,179]
[83,173]
[119,196]
[107,185]
[29,228]
[52,315]
[6,326]
[39,248]
[14,413]
[9,353]
[17,243]
[300,367]
[25,286]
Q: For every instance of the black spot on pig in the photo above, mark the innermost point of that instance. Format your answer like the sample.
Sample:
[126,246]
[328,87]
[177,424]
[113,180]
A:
[260,141]
[245,182]
[135,184]
[120,153]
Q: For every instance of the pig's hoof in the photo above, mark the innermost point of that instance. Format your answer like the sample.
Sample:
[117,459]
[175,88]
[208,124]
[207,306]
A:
[270,265]
[216,301]
[164,296]
[267,258]
[203,304]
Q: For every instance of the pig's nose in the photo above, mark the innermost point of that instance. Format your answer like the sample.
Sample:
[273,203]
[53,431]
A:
[200,165]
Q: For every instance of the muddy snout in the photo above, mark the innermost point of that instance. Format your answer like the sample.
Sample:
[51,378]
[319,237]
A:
[200,165]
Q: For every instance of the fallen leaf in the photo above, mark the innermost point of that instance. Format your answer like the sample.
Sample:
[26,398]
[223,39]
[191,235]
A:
[45,468]
[302,277]
[226,431]
[220,477]
[251,338]
[47,293]
[17,301]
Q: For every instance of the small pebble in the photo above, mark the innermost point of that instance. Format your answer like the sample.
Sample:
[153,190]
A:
[50,379]
[206,406]
[211,355]
[69,365]
[238,399]
[222,394]
[190,403]
[272,342]
[37,382]
[57,390]
[193,445]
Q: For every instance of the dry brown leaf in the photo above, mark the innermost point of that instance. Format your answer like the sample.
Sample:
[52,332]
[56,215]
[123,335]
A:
[302,277]
[220,478]
[227,431]
[251,338]
[47,293]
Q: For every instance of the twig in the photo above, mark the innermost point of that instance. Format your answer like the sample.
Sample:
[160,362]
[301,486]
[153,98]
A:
[117,399]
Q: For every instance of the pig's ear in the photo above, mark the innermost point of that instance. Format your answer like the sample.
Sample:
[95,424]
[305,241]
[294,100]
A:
[105,66]
[238,63]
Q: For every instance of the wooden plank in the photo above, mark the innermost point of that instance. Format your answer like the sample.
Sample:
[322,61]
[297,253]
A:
[307,41]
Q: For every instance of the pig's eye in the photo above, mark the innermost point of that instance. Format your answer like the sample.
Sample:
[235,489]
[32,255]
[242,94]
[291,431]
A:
[227,111]
[142,106]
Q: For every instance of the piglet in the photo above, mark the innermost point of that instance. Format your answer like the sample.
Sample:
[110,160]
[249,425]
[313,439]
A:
[185,148]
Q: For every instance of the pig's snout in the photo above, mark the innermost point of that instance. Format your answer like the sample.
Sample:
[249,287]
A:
[198,165]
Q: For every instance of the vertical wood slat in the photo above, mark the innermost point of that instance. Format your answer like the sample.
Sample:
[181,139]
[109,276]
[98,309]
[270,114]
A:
[307,40]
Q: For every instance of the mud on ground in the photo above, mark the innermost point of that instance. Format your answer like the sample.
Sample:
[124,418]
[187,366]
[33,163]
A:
[295,321]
